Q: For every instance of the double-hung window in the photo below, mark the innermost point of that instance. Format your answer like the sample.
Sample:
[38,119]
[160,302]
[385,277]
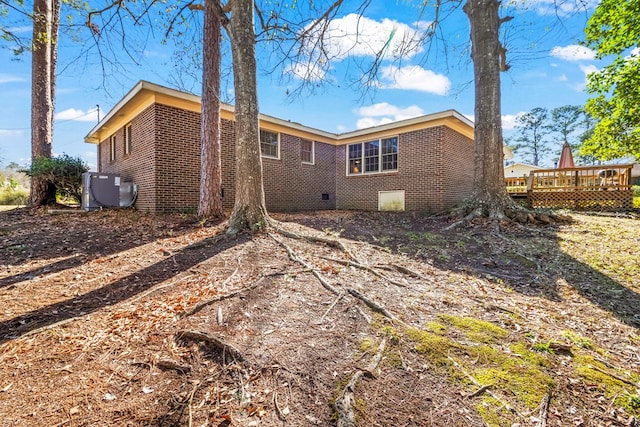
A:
[380,155]
[269,144]
[112,148]
[127,139]
[307,151]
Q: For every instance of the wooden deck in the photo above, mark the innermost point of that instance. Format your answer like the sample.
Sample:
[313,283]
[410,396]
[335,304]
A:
[605,187]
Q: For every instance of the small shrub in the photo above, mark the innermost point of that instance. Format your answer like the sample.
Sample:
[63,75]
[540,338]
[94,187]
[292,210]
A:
[64,172]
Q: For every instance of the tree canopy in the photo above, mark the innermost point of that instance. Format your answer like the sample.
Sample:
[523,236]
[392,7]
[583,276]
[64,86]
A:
[614,30]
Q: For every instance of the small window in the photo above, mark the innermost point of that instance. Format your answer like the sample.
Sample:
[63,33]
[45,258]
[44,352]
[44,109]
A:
[269,144]
[112,148]
[380,155]
[307,149]
[127,139]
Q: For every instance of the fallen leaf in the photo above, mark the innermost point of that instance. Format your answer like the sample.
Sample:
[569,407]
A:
[109,397]
[74,410]
[147,390]
[6,388]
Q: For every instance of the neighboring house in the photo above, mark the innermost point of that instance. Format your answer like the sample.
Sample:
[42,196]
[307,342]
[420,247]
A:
[152,137]
[519,170]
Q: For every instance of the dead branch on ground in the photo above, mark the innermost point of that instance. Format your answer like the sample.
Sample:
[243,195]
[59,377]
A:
[344,403]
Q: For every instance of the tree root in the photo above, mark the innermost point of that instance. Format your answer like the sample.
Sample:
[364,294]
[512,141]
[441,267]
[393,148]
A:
[218,343]
[354,292]
[345,402]
[365,268]
[375,306]
[219,298]
[295,258]
[544,409]
[329,242]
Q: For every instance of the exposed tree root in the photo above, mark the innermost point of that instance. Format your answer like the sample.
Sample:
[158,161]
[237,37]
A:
[375,306]
[223,346]
[203,304]
[333,304]
[329,242]
[365,268]
[295,258]
[345,402]
[544,409]
[354,292]
[500,209]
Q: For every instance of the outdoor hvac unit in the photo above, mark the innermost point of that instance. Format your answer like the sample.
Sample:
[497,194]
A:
[104,190]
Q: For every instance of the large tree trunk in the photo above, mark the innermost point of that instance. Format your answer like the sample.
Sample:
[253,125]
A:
[45,32]
[249,211]
[490,196]
[210,173]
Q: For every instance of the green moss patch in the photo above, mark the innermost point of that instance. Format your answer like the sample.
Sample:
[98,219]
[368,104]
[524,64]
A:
[475,329]
[610,382]
[512,371]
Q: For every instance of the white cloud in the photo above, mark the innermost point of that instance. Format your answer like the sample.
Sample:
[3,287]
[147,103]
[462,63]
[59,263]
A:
[383,112]
[10,132]
[357,35]
[509,120]
[573,52]
[71,114]
[588,69]
[414,77]
[9,78]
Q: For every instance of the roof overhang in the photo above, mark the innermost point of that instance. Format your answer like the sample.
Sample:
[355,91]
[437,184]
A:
[145,94]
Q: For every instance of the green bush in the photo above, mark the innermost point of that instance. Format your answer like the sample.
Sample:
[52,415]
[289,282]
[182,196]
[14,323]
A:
[10,196]
[64,172]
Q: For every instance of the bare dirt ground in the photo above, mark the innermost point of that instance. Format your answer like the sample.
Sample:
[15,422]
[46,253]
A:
[119,318]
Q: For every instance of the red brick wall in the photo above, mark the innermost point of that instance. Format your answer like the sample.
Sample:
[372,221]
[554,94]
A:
[419,174]
[290,185]
[457,167]
[177,159]
[435,168]
[139,165]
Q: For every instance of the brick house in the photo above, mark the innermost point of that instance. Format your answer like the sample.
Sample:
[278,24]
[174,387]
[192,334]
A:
[152,138]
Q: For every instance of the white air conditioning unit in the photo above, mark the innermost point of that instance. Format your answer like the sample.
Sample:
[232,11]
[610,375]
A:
[105,190]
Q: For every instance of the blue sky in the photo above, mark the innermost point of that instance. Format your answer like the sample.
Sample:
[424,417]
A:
[548,69]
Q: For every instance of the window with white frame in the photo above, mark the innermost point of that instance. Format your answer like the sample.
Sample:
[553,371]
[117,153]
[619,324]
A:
[269,143]
[307,151]
[380,155]
[127,139]
[112,148]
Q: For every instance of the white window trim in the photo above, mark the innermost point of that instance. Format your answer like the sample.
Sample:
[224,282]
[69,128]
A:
[277,146]
[313,152]
[379,171]
[127,139]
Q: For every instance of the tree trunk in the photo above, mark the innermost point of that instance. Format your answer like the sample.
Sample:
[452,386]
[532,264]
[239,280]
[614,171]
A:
[210,173]
[249,211]
[45,32]
[490,196]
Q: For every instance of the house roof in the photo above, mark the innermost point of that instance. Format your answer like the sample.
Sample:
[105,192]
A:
[145,94]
